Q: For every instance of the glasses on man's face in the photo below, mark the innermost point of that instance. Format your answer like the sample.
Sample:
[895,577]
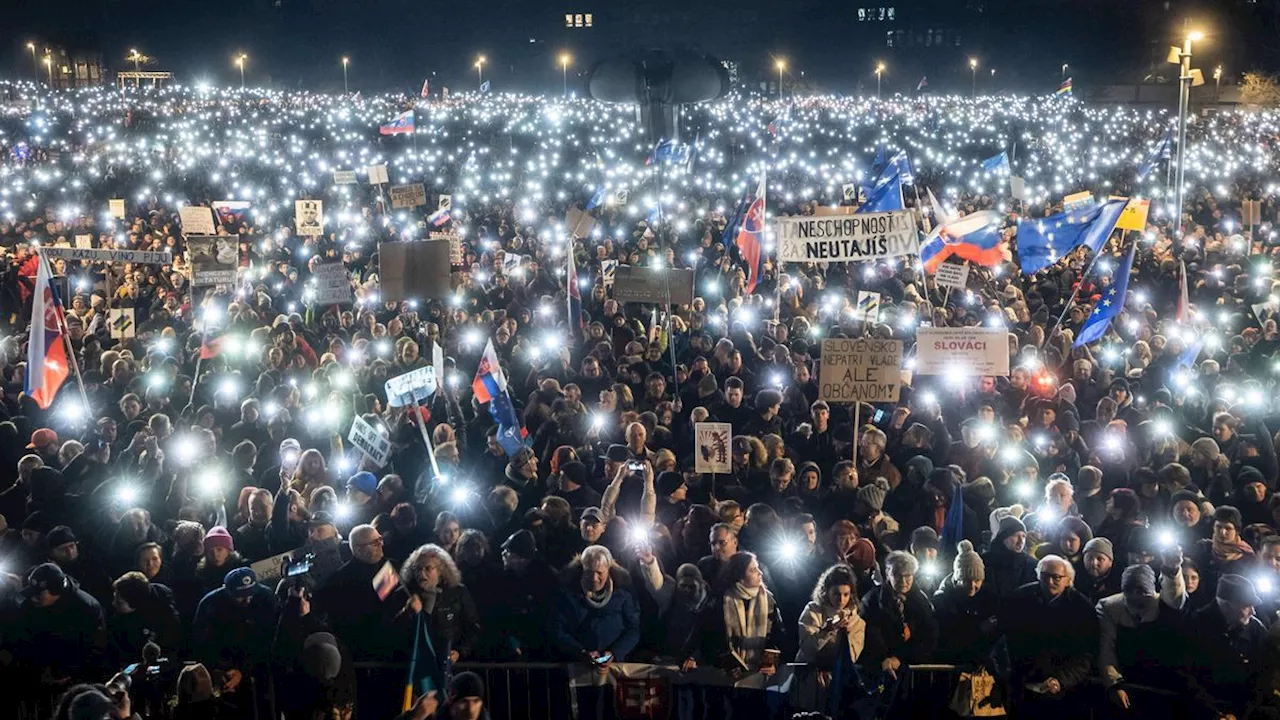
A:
[375,541]
[1053,577]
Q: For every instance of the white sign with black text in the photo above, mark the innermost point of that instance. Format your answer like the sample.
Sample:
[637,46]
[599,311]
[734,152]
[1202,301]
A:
[952,275]
[370,441]
[846,238]
[962,351]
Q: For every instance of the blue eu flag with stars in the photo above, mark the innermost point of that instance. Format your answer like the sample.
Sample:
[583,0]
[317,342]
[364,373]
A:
[1109,305]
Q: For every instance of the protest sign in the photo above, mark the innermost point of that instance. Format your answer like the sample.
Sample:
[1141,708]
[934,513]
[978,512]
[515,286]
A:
[272,568]
[1076,201]
[511,263]
[115,208]
[608,272]
[952,275]
[445,203]
[408,196]
[860,370]
[846,238]
[308,217]
[213,258]
[849,192]
[333,287]
[344,177]
[143,257]
[651,285]
[84,242]
[1250,213]
[377,174]
[962,351]
[712,447]
[414,270]
[1134,216]
[196,220]
[456,257]
[578,223]
[120,320]
[412,387]
[369,441]
[868,307]
[1018,188]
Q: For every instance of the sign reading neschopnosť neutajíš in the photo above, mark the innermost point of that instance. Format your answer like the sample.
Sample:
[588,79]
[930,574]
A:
[846,238]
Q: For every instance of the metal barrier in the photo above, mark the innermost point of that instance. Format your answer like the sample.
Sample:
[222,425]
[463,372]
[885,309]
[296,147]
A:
[518,691]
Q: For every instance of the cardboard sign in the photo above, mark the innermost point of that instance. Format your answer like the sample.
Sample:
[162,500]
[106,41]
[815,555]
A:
[344,177]
[138,257]
[952,275]
[650,285]
[846,238]
[608,272]
[84,242]
[414,271]
[868,307]
[196,220]
[578,223]
[213,258]
[446,203]
[1134,216]
[415,386]
[860,370]
[712,451]
[370,441]
[962,351]
[115,208]
[1250,213]
[121,322]
[308,217]
[378,174]
[455,246]
[408,196]
[1078,200]
[333,286]
[271,569]
[849,192]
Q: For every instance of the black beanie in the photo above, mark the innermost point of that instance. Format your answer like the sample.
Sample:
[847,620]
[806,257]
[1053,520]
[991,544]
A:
[465,685]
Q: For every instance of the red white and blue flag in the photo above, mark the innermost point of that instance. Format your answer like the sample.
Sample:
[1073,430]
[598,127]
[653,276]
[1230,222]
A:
[439,217]
[401,125]
[490,386]
[975,237]
[750,240]
[426,87]
[47,366]
[575,296]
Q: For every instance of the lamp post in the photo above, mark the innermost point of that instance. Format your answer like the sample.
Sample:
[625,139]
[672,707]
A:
[564,69]
[480,71]
[240,64]
[879,72]
[1064,71]
[345,62]
[1184,100]
[135,57]
[1217,82]
[35,64]
[781,65]
[48,65]
[973,67]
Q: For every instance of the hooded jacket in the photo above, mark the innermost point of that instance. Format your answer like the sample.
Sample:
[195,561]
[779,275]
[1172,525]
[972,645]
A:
[579,628]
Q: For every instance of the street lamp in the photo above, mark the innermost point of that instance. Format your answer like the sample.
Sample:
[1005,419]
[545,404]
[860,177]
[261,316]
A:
[240,64]
[35,64]
[1185,78]
[345,61]
[48,65]
[973,66]
[1064,71]
[564,68]
[781,65]
[1217,81]
[480,71]
[879,71]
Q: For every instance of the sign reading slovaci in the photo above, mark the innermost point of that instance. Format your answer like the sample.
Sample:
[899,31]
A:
[846,238]
[962,351]
[860,370]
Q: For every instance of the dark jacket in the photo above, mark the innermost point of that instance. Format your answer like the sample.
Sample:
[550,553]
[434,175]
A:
[454,623]
[1224,661]
[968,622]
[226,634]
[373,629]
[712,639]
[1055,638]
[69,636]
[880,610]
[1007,571]
[578,628]
[156,621]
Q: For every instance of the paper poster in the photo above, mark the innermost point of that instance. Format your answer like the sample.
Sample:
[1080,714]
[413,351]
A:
[846,238]
[408,196]
[84,242]
[412,387]
[378,174]
[713,442]
[962,351]
[196,220]
[578,223]
[370,441]
[446,203]
[308,217]
[608,272]
[860,370]
[344,177]
[952,275]
[849,192]
[213,258]
[121,322]
[332,284]
[115,207]
[868,307]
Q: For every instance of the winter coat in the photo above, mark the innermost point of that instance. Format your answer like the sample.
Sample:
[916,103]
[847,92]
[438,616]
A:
[69,636]
[1007,571]
[156,621]
[226,634]
[712,639]
[1046,638]
[1224,661]
[821,646]
[909,634]
[373,629]
[454,623]
[578,628]
[969,632]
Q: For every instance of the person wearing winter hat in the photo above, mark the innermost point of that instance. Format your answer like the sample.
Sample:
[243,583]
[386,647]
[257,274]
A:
[1008,567]
[1190,525]
[362,506]
[672,495]
[1096,575]
[1227,645]
[233,627]
[220,557]
[571,484]
[871,497]
[70,624]
[1138,623]
[965,611]
[1225,553]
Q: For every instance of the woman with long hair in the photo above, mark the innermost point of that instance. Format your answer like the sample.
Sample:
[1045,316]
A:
[441,601]
[742,626]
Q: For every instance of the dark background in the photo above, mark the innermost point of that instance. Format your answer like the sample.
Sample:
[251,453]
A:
[394,44]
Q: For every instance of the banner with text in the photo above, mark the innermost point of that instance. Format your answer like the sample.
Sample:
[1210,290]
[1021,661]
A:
[370,442]
[333,287]
[846,238]
[962,351]
[408,196]
[144,257]
[214,258]
[860,370]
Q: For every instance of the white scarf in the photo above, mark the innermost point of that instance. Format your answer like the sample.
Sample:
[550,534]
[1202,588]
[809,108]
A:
[746,621]
[600,599]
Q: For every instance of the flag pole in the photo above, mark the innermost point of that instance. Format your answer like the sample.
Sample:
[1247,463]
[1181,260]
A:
[1075,292]
[66,339]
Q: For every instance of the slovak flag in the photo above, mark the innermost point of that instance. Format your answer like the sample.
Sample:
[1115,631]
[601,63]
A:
[47,366]
[490,386]
[439,217]
[426,84]
[575,297]
[750,240]
[401,125]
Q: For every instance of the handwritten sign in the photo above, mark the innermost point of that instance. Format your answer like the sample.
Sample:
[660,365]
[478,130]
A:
[860,370]
[952,275]
[370,442]
[408,196]
[196,220]
[846,238]
[411,387]
[344,177]
[145,257]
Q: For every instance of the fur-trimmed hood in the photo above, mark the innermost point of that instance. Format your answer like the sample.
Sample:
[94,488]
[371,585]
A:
[571,576]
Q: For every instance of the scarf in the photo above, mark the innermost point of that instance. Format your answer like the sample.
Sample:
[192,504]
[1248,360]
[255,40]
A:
[856,638]
[600,599]
[746,622]
[1227,552]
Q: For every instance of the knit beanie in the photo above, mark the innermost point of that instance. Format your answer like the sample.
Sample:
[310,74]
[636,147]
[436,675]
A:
[320,656]
[872,496]
[1185,495]
[466,685]
[218,537]
[90,704]
[968,564]
[1000,513]
[1126,501]
[1009,526]
[1138,578]
[1100,545]
[1206,446]
[707,386]
[575,471]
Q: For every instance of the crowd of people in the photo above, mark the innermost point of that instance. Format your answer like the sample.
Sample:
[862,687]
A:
[186,529]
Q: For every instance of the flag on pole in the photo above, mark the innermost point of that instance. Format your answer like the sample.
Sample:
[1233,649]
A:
[1161,151]
[750,240]
[403,124]
[924,83]
[1064,88]
[47,366]
[1184,304]
[490,386]
[883,198]
[998,164]
[975,237]
[426,84]
[575,297]
[1110,305]
[1043,242]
